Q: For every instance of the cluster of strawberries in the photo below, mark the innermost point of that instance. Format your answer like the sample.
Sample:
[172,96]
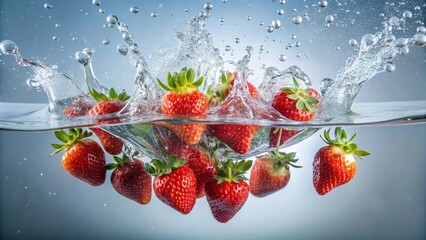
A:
[192,169]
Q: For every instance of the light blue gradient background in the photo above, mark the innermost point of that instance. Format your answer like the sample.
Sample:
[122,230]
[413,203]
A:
[39,200]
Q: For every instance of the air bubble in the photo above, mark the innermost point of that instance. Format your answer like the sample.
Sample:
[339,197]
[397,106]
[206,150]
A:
[237,40]
[222,20]
[417,8]
[394,21]
[122,49]
[353,42]
[282,58]
[74,39]
[261,23]
[55,38]
[101,10]
[329,18]
[282,2]
[134,9]
[407,15]
[404,50]
[390,38]
[297,20]
[280,12]
[297,44]
[249,18]
[401,42]
[112,19]
[325,85]
[33,83]
[106,41]
[57,25]
[154,14]
[419,39]
[270,29]
[293,36]
[368,40]
[276,24]
[208,6]
[227,48]
[421,29]
[88,51]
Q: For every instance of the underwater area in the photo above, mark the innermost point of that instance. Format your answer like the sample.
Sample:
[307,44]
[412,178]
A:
[367,60]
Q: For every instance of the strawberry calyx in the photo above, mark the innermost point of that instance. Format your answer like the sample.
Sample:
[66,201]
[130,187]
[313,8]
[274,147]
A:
[281,159]
[303,100]
[112,95]
[182,82]
[341,141]
[73,136]
[159,167]
[218,96]
[119,161]
[231,171]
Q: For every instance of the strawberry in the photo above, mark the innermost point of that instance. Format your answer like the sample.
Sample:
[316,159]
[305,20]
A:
[174,183]
[227,191]
[78,108]
[183,98]
[334,164]
[271,173]
[130,179]
[202,165]
[170,143]
[237,136]
[286,134]
[108,104]
[296,104]
[83,158]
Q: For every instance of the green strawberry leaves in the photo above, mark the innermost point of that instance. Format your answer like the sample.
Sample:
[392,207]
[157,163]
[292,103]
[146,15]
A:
[112,95]
[159,167]
[182,82]
[68,139]
[303,100]
[231,171]
[118,162]
[343,143]
[218,96]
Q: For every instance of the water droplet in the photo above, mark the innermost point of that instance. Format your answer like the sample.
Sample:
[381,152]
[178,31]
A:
[112,19]
[337,48]
[134,9]
[82,58]
[282,57]
[227,48]
[57,25]
[389,67]
[293,36]
[280,12]
[276,24]
[329,18]
[419,39]
[323,3]
[105,204]
[407,15]
[96,2]
[270,29]
[401,42]
[390,38]
[325,85]
[297,44]
[55,38]
[394,21]
[249,18]
[298,54]
[126,36]
[421,29]
[368,40]
[101,10]
[47,6]
[8,47]
[88,51]
[261,23]
[417,8]
[106,41]
[222,20]
[41,174]
[404,50]
[33,83]
[297,20]
[208,6]
[282,1]
[237,40]
[224,1]
[122,49]
[353,42]
[261,48]
[74,39]
[154,14]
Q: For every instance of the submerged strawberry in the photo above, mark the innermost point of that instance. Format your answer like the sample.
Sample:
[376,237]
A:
[237,136]
[83,158]
[227,191]
[108,104]
[334,164]
[174,183]
[296,104]
[183,98]
[130,179]
[202,165]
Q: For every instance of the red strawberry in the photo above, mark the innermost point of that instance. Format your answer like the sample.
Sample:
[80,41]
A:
[83,158]
[130,179]
[285,135]
[237,136]
[334,164]
[78,108]
[170,143]
[183,98]
[108,104]
[296,104]
[271,173]
[227,192]
[174,183]
[202,166]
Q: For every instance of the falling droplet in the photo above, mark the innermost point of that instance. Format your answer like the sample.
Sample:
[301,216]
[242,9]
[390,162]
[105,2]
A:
[88,51]
[389,67]
[401,42]
[55,38]
[227,48]
[297,44]
[237,40]
[8,47]
[122,49]
[293,36]
[154,14]
[407,15]
[134,9]
[57,25]
[280,12]
[368,40]
[112,19]
[270,29]
[419,39]
[421,29]
[353,42]
[323,3]
[325,85]
[208,6]
[297,20]
[276,24]
[82,58]
[329,18]
[394,21]
[404,50]
[222,20]
[74,39]
[106,41]
[282,57]
[249,18]
[101,10]
[47,6]
[261,23]
[282,2]
[96,2]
